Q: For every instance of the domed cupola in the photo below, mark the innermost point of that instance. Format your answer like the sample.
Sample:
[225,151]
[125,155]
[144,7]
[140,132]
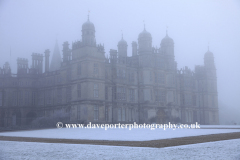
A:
[145,42]
[88,25]
[88,33]
[122,47]
[167,45]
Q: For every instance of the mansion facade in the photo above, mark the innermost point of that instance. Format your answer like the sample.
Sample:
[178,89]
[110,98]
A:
[89,86]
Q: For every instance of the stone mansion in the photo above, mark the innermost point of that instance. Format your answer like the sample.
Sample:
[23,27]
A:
[90,86]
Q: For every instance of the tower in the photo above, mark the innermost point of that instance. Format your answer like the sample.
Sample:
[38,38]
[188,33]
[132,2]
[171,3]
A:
[211,96]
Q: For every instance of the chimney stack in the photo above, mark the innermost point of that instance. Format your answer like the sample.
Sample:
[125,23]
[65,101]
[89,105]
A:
[47,54]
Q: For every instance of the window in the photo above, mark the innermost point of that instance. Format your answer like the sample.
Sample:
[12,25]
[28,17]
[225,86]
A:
[26,97]
[41,98]
[132,77]
[123,114]
[49,97]
[124,74]
[95,69]
[78,112]
[59,79]
[129,114]
[106,73]
[119,114]
[121,93]
[96,112]
[106,113]
[79,90]
[213,104]
[132,114]
[160,95]
[106,93]
[182,99]
[188,99]
[79,69]
[95,91]
[59,95]
[1,99]
[161,78]
[155,77]
[194,100]
[214,116]
[151,94]
[34,98]
[131,95]
[187,82]
[20,98]
[68,74]
[14,98]
[170,81]
[69,94]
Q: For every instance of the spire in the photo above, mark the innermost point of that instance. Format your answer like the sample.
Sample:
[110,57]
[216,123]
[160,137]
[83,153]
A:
[208,46]
[56,58]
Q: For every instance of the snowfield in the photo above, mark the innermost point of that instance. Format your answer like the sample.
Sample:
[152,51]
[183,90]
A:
[116,134]
[220,150]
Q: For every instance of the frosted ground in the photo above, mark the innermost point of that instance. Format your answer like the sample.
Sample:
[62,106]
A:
[120,134]
[221,150]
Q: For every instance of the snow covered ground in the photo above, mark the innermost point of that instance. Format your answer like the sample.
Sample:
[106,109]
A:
[220,150]
[220,126]
[116,134]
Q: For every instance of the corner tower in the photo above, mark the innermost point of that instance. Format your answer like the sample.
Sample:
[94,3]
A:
[211,96]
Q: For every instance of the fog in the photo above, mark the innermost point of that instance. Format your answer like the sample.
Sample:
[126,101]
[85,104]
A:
[33,26]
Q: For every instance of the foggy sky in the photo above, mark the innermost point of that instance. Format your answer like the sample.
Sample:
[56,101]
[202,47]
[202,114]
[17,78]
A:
[33,26]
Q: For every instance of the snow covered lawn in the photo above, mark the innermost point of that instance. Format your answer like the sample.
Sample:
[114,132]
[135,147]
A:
[116,134]
[221,150]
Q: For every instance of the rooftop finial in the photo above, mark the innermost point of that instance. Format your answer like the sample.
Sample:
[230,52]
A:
[122,34]
[88,14]
[144,24]
[167,30]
